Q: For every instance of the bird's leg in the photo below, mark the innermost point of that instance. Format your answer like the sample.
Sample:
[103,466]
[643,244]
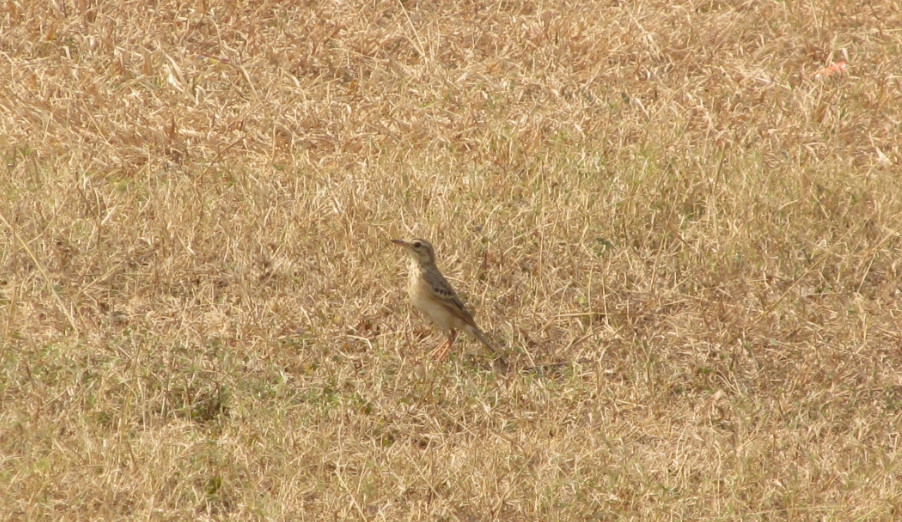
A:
[448,344]
[438,349]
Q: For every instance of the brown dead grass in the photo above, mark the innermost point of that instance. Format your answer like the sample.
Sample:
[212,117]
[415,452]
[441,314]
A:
[202,317]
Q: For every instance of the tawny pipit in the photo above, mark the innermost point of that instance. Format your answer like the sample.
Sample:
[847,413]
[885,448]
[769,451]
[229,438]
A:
[432,294]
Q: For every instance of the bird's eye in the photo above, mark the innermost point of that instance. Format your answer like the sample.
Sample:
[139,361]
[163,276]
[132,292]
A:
[417,244]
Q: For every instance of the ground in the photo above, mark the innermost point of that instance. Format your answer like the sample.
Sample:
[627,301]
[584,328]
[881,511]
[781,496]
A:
[679,220]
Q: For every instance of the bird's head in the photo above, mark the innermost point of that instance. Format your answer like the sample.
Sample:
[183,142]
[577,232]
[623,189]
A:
[418,249]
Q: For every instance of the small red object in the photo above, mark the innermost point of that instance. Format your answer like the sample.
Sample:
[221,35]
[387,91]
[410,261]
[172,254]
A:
[830,70]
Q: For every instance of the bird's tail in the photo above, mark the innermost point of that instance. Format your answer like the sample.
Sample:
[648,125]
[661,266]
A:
[477,333]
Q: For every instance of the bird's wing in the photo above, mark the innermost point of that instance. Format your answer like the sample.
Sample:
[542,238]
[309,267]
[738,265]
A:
[443,290]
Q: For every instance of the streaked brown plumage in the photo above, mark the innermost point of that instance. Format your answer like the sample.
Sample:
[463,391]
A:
[433,295]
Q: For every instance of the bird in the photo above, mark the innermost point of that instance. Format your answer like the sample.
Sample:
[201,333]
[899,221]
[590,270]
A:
[433,295]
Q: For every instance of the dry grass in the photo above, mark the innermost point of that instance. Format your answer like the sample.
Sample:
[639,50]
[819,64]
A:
[202,317]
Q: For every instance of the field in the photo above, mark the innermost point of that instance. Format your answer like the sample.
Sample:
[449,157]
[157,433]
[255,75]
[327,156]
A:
[677,220]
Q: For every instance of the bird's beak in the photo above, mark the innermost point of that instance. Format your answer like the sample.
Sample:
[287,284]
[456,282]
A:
[399,242]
